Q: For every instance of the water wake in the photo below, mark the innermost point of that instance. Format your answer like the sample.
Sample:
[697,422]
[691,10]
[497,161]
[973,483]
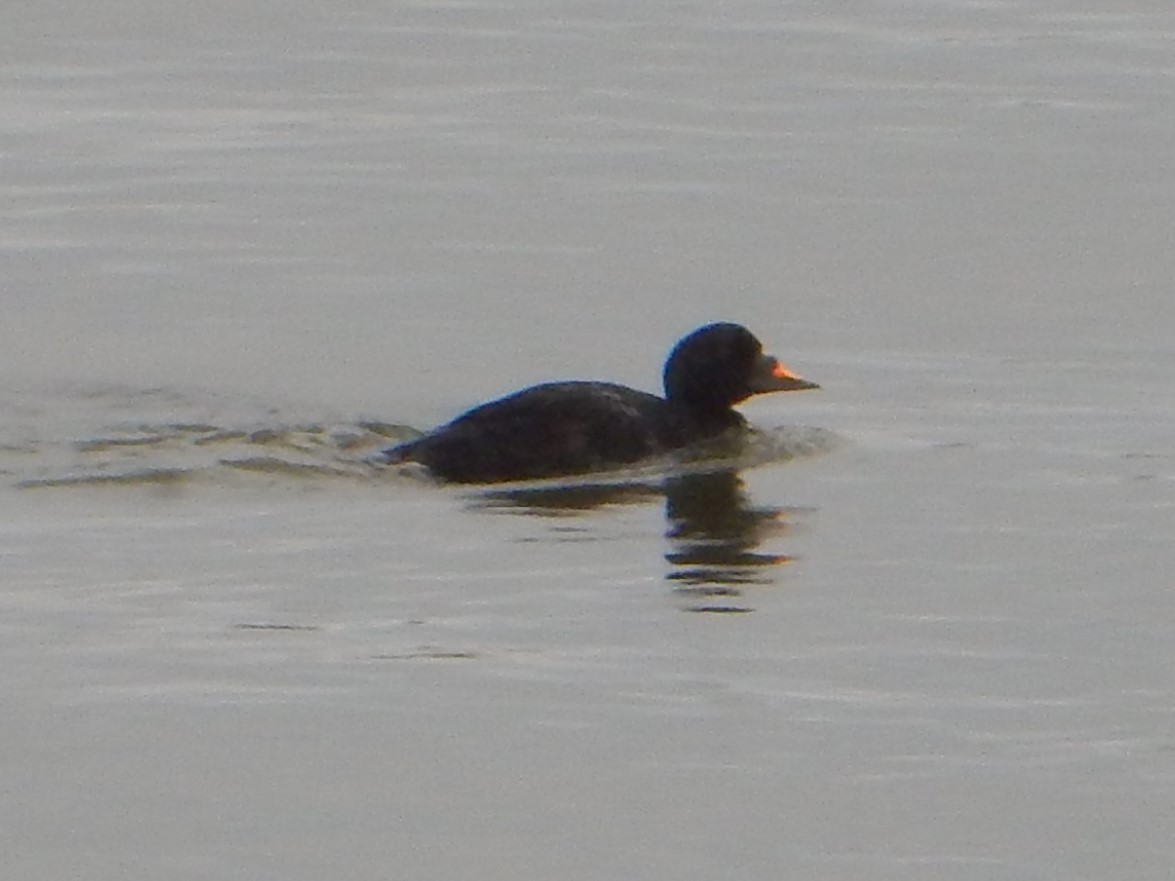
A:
[160,437]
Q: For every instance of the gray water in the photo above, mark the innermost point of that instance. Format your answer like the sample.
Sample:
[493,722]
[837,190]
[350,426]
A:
[927,636]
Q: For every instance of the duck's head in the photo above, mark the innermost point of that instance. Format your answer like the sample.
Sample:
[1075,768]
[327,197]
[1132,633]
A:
[719,365]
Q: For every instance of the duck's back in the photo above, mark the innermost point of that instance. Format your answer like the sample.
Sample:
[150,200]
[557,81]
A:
[548,430]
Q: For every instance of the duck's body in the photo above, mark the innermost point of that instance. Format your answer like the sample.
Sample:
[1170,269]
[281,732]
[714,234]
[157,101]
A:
[567,428]
[553,429]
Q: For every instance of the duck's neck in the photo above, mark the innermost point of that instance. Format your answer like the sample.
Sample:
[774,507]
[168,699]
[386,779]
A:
[711,420]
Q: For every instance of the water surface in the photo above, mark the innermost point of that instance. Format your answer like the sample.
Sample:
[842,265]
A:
[246,246]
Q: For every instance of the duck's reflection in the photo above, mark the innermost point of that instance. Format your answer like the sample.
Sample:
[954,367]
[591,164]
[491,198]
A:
[714,530]
[558,501]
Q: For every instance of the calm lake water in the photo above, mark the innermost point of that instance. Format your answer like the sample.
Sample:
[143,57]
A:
[926,636]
